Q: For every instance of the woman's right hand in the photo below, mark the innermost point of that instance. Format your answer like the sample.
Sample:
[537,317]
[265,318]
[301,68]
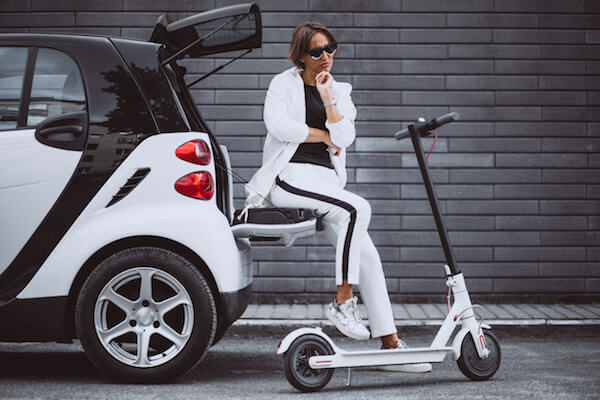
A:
[330,144]
[316,135]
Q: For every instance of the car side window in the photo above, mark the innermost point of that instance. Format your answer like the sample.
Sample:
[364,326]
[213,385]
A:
[12,70]
[57,87]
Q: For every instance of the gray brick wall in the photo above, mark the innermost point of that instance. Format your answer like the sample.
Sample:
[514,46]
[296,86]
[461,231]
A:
[519,176]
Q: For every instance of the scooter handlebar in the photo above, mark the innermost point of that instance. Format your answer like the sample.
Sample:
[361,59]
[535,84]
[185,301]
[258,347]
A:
[444,119]
[424,128]
[403,134]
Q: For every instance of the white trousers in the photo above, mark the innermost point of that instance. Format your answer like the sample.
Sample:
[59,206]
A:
[345,222]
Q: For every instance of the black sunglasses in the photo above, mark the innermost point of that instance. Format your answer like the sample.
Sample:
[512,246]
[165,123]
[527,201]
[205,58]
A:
[317,52]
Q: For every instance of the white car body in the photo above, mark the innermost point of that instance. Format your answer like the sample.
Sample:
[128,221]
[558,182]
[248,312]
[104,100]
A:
[154,208]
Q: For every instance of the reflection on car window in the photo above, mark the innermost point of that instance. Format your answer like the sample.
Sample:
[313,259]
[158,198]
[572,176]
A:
[57,87]
[12,69]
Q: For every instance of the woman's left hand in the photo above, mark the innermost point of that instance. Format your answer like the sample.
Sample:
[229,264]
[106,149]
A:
[324,81]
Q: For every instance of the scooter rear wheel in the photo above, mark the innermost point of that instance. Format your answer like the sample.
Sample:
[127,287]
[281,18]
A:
[295,364]
[476,368]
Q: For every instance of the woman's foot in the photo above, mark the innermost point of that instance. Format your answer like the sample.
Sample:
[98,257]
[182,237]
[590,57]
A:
[346,318]
[390,341]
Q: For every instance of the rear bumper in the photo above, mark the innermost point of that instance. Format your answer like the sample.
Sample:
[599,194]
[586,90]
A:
[234,304]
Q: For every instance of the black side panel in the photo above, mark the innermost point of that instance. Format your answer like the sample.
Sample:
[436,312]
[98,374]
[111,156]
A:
[33,320]
[118,121]
[143,63]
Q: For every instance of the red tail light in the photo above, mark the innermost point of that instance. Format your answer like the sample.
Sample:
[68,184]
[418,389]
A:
[199,185]
[195,151]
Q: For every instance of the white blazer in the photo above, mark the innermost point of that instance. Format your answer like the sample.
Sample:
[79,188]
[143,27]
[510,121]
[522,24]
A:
[285,118]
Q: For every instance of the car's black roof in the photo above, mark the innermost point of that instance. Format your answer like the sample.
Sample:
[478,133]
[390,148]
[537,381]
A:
[41,38]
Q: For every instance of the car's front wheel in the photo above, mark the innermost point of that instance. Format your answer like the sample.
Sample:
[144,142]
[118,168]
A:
[145,314]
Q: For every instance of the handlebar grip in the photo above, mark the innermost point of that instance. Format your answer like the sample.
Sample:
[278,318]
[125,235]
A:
[444,119]
[403,134]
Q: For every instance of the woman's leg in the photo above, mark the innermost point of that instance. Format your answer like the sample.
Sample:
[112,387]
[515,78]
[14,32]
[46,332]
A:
[346,215]
[344,292]
[374,294]
[346,220]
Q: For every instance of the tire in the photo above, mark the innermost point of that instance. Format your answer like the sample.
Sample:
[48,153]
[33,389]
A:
[220,332]
[295,364]
[474,367]
[145,315]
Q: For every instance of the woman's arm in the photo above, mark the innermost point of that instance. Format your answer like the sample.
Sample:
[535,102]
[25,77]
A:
[324,82]
[275,115]
[340,116]
[282,126]
[316,135]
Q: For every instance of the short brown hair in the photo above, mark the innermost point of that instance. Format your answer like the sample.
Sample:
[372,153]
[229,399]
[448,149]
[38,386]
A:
[301,39]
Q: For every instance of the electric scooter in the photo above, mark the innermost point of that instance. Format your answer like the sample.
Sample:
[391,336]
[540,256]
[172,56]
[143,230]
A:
[310,356]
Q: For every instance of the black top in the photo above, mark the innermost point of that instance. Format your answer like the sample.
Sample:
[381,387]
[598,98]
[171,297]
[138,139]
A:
[313,153]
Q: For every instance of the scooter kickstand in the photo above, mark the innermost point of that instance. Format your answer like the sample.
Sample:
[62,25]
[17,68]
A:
[349,380]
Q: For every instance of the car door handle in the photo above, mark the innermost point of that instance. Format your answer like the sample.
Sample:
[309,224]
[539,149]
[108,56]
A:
[64,131]
[74,130]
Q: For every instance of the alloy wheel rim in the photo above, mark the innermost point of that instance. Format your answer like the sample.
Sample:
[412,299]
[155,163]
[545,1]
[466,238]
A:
[147,321]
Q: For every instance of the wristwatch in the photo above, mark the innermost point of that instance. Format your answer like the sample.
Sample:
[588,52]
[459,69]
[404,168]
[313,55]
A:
[333,102]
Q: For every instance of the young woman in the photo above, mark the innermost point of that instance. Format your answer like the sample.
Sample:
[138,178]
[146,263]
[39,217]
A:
[310,122]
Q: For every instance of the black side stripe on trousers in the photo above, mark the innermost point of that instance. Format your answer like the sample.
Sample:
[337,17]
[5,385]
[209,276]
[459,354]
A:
[346,206]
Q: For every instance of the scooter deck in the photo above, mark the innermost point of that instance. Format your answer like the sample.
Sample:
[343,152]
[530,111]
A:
[367,358]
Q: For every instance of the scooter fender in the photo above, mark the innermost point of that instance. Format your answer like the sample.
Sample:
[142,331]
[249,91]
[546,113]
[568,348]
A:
[458,339]
[295,334]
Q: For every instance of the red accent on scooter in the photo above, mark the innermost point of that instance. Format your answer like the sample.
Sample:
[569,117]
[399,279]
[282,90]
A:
[482,340]
[433,144]
[448,298]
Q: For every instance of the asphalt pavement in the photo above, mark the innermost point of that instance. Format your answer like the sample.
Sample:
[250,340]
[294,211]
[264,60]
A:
[537,363]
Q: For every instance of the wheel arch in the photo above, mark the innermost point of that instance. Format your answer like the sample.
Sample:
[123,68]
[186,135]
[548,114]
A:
[127,243]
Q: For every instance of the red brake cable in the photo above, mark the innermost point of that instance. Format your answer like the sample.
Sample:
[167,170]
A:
[432,145]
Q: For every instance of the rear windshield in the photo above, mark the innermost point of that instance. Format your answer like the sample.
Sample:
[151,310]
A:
[235,30]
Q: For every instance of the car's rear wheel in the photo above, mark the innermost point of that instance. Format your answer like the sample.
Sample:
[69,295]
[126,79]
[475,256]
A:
[145,315]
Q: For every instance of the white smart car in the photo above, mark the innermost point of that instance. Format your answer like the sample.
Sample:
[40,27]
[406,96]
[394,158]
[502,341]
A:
[116,210]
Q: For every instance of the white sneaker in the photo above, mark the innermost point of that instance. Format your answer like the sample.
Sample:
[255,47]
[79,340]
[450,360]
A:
[347,320]
[414,368]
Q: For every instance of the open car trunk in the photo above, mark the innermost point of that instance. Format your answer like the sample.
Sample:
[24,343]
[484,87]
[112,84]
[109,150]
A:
[271,224]
[226,29]
[236,27]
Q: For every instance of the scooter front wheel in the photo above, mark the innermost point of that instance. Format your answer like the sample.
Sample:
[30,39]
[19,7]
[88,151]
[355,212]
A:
[295,363]
[474,367]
